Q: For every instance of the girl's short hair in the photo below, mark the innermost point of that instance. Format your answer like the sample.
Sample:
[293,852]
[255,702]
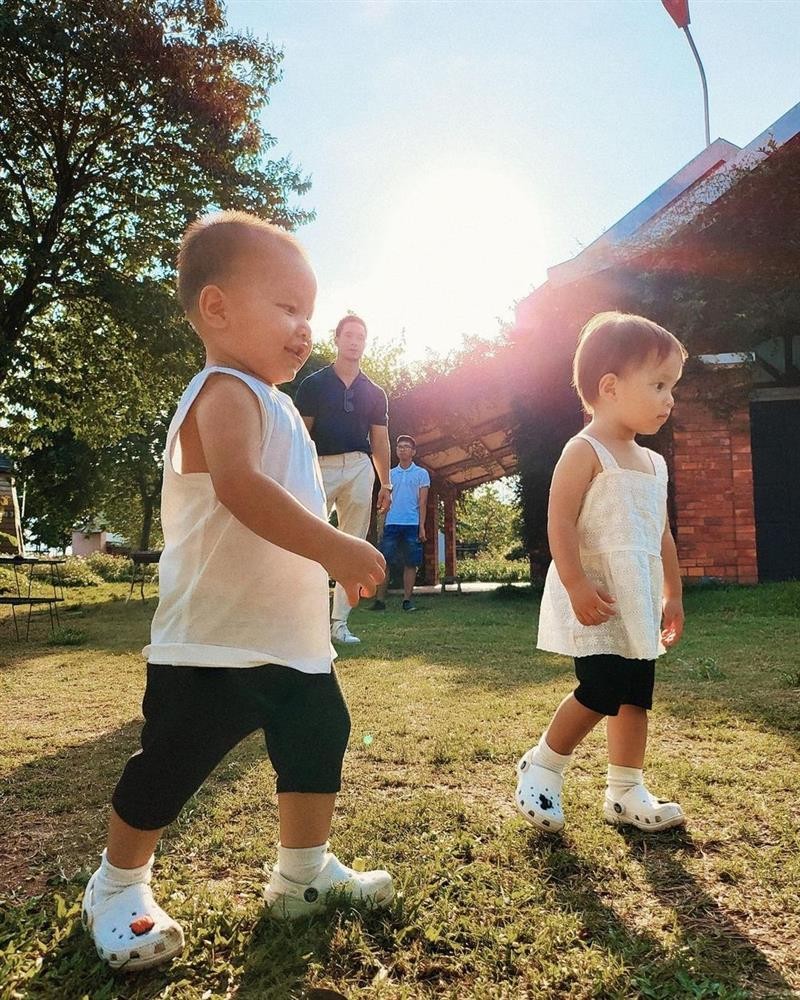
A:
[214,244]
[349,318]
[618,342]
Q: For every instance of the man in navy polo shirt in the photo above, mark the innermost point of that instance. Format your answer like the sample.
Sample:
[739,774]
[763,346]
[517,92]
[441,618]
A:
[347,417]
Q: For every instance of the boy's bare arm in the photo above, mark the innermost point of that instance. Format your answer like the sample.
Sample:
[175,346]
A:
[571,479]
[228,423]
[422,500]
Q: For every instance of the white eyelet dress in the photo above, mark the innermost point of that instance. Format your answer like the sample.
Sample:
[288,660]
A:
[620,527]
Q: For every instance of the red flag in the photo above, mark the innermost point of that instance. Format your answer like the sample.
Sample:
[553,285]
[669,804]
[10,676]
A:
[678,10]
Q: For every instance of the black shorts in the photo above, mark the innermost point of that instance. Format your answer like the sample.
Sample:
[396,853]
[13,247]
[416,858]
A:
[606,681]
[193,716]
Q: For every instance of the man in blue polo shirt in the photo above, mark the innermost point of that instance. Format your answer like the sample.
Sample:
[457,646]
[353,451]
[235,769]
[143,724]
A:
[347,417]
[404,528]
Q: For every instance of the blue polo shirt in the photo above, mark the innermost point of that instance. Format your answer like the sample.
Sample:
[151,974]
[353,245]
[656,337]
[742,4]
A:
[406,484]
[342,416]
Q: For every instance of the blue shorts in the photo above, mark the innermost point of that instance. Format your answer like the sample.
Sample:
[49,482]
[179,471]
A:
[404,537]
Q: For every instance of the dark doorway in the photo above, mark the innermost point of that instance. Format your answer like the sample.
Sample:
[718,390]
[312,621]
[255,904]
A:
[775,442]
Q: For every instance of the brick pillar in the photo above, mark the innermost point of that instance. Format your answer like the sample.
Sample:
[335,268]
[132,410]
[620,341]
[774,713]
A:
[713,479]
[431,563]
[450,534]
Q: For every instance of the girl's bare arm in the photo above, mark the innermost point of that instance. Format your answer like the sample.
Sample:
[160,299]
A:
[571,478]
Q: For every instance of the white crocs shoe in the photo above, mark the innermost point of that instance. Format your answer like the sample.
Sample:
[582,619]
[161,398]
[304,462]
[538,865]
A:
[293,899]
[637,807]
[538,795]
[342,634]
[129,928]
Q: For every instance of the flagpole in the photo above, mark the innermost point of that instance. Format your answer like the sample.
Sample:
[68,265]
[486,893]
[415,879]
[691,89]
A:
[678,10]
[703,80]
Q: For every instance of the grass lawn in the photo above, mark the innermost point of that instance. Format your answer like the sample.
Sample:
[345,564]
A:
[488,908]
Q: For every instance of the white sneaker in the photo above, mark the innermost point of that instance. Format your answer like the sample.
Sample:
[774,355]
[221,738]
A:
[341,633]
[129,928]
[637,807]
[294,899]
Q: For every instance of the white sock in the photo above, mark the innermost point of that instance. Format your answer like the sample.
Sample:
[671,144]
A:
[620,778]
[544,756]
[301,864]
[111,879]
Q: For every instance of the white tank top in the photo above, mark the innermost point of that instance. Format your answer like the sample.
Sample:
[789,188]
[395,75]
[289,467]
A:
[227,597]
[620,526]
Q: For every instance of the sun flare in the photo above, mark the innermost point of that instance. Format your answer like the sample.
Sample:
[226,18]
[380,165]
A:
[454,247]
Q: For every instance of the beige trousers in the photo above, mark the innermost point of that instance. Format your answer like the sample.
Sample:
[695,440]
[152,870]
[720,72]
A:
[348,480]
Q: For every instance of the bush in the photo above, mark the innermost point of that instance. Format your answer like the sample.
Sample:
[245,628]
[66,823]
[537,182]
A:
[494,568]
[7,585]
[112,569]
[76,572]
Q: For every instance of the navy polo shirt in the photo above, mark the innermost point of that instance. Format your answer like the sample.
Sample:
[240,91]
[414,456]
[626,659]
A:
[342,416]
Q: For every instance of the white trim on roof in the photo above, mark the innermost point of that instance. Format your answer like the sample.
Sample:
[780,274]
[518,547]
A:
[699,183]
[726,360]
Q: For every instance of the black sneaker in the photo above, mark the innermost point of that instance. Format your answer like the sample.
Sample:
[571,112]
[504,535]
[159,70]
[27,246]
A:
[409,606]
[378,605]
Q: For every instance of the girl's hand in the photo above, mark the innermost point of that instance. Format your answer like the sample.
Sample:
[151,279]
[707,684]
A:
[672,619]
[592,605]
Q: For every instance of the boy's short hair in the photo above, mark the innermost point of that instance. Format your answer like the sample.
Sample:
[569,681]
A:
[616,342]
[349,318]
[406,437]
[212,245]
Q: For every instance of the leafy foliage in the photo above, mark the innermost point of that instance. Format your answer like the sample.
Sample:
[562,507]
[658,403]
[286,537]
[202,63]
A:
[484,518]
[119,122]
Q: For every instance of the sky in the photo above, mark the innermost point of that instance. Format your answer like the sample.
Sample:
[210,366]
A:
[458,149]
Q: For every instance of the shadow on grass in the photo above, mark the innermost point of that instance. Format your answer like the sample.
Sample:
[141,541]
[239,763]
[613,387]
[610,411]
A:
[55,808]
[268,960]
[715,959]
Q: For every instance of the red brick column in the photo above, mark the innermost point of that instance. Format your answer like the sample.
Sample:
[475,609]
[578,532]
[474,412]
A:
[713,482]
[431,548]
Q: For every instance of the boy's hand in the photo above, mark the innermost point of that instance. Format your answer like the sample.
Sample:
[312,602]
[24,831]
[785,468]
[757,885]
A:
[422,536]
[672,618]
[357,566]
[591,604]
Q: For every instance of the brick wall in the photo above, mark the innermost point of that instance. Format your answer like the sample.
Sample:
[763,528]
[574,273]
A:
[713,482]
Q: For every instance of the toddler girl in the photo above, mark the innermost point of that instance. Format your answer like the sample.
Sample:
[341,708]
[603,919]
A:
[612,597]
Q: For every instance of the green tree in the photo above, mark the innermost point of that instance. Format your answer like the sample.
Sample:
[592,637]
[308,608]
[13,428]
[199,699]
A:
[118,123]
[61,481]
[484,518]
[130,492]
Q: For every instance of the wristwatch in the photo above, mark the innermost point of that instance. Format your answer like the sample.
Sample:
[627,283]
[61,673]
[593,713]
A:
[387,486]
